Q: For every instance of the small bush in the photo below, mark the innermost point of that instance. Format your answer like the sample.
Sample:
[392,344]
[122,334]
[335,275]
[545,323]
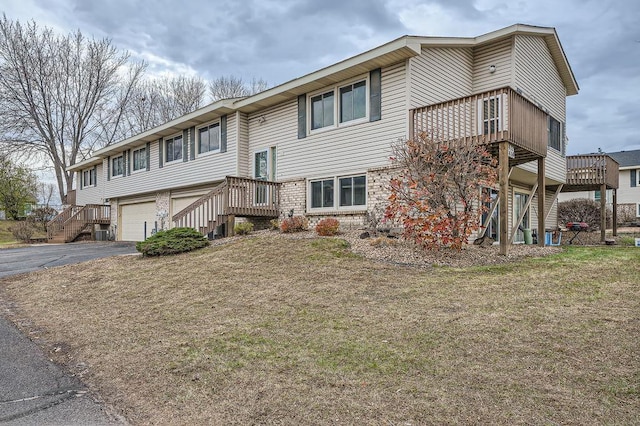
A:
[243,228]
[23,231]
[327,227]
[41,216]
[274,224]
[581,210]
[294,224]
[172,241]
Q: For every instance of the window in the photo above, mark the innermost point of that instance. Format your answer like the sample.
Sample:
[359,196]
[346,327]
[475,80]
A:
[555,134]
[116,166]
[490,116]
[322,194]
[353,101]
[322,110]
[89,178]
[173,149]
[350,191]
[347,103]
[140,159]
[209,138]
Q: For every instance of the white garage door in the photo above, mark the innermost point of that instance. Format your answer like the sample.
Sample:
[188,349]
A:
[133,218]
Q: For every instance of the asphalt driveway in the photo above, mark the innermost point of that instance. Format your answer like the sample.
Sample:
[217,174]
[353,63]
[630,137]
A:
[42,256]
[33,390]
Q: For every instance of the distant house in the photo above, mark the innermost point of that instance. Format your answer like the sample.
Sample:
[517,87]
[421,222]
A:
[319,145]
[628,192]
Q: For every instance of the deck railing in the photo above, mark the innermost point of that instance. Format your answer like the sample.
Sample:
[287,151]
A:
[74,219]
[592,170]
[234,196]
[486,118]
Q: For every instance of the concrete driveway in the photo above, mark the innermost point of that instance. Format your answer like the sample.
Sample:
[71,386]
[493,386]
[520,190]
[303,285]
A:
[42,256]
[33,390]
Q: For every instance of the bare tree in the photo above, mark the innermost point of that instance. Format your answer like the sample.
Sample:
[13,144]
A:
[234,87]
[61,96]
[157,101]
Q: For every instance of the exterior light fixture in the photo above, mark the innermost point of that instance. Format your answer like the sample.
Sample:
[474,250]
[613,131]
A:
[492,69]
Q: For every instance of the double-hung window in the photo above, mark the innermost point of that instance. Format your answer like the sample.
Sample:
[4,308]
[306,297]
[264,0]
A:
[340,105]
[117,166]
[555,134]
[322,107]
[353,101]
[173,149]
[209,138]
[140,159]
[89,178]
[346,193]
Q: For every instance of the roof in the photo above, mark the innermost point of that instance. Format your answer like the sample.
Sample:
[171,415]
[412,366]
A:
[387,54]
[626,159]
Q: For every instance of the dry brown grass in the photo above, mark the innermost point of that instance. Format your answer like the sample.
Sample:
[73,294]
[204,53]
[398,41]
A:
[276,331]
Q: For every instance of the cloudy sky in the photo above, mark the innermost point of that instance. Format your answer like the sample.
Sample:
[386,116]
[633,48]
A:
[279,40]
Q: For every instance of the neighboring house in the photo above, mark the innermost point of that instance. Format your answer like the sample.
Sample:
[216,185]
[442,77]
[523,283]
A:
[319,145]
[628,192]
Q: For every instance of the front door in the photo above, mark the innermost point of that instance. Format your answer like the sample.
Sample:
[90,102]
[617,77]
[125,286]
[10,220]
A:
[263,169]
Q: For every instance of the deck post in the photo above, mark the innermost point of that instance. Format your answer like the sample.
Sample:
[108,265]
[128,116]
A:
[541,201]
[614,213]
[603,212]
[503,179]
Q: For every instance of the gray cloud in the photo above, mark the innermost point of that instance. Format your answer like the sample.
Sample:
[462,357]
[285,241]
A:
[282,39]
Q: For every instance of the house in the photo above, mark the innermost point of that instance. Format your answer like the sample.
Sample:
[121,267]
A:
[319,145]
[626,195]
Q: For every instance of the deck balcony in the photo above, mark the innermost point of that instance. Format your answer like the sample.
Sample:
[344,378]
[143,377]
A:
[488,118]
[590,172]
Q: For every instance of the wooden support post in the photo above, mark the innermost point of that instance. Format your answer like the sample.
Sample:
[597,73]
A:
[615,212]
[603,212]
[503,179]
[228,227]
[541,200]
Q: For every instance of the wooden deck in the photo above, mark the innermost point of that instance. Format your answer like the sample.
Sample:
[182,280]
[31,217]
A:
[590,172]
[233,197]
[488,118]
[68,225]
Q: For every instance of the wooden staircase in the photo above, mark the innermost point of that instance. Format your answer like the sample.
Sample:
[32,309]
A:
[68,225]
[234,197]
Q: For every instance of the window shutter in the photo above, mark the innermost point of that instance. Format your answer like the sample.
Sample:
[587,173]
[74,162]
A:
[223,133]
[302,116]
[95,175]
[375,95]
[80,185]
[634,178]
[147,152]
[192,144]
[185,141]
[160,158]
[108,168]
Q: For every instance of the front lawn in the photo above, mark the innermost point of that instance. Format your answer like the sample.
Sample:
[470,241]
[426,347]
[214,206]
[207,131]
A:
[285,331]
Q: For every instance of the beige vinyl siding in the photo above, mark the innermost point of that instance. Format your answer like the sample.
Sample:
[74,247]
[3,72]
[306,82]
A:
[440,74]
[205,168]
[555,167]
[337,151]
[94,194]
[537,76]
[498,54]
[626,193]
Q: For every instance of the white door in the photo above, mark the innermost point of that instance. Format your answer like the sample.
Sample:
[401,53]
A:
[137,221]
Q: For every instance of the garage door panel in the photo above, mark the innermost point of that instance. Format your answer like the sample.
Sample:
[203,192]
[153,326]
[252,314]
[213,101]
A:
[133,218]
